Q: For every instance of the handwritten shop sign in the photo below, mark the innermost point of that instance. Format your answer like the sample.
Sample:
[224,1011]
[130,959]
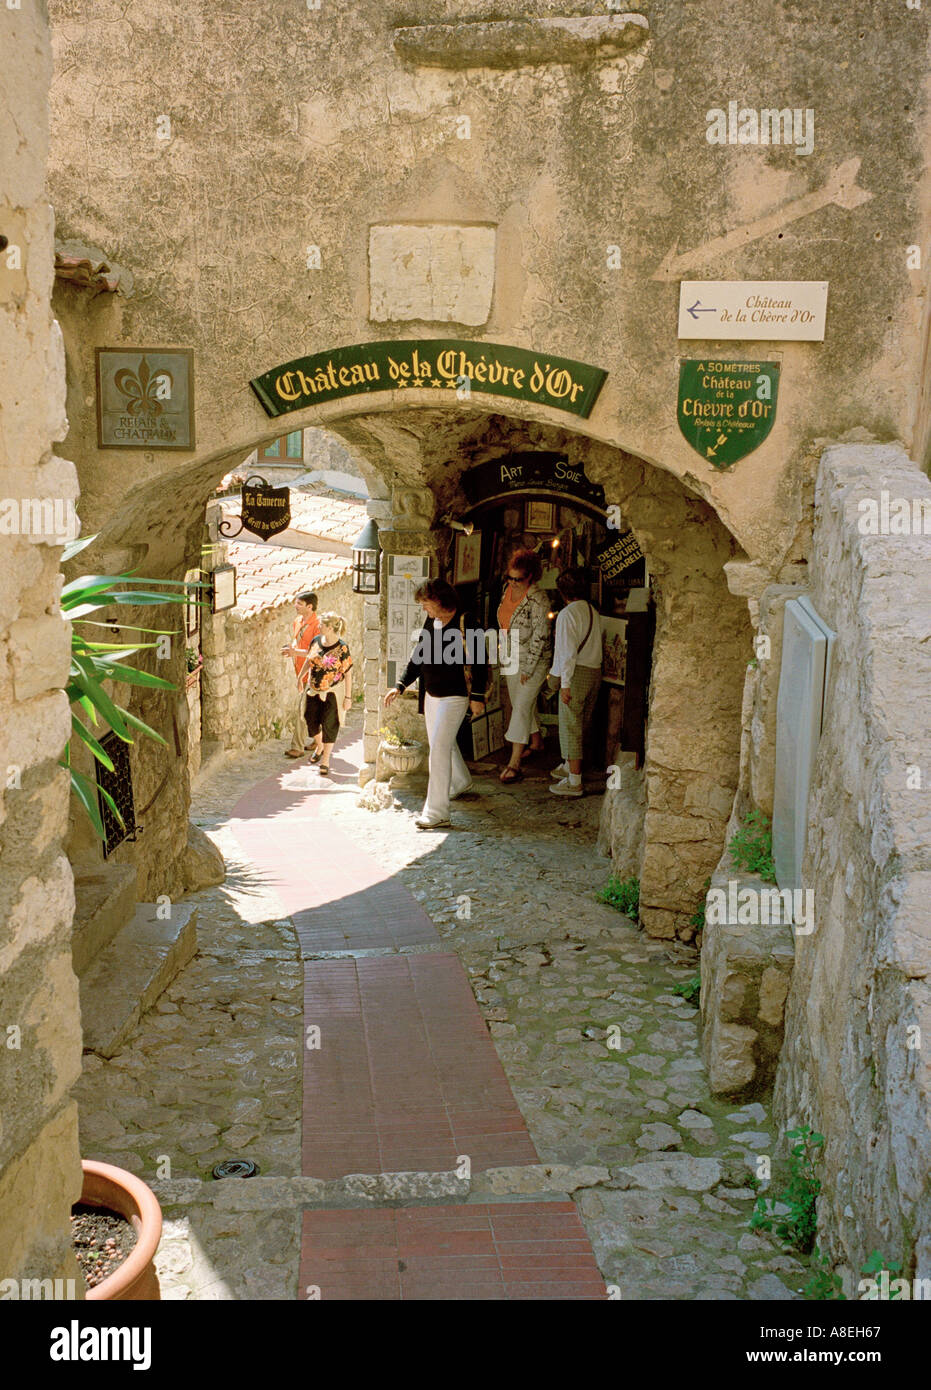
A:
[445,364]
[726,408]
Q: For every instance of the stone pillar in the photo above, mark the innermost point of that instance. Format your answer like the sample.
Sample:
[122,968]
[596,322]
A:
[404,525]
[40,1032]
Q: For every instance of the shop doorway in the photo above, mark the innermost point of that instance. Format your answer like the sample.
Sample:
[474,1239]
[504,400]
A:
[539,502]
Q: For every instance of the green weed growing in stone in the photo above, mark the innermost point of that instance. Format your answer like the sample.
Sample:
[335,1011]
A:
[752,846]
[877,1264]
[795,1227]
[689,989]
[824,1283]
[697,919]
[623,895]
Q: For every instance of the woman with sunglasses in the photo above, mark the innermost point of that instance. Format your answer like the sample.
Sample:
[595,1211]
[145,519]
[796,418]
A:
[524,615]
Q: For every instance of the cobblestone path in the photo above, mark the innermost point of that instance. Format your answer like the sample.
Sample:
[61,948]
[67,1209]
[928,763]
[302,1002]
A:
[628,1136]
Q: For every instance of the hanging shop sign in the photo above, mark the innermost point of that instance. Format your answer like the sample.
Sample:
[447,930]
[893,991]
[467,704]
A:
[145,398]
[266,510]
[530,472]
[726,408]
[618,556]
[447,364]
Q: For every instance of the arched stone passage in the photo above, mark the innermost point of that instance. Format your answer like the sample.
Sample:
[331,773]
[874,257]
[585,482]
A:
[702,639]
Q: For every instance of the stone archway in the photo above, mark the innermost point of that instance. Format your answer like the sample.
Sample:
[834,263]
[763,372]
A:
[414,460]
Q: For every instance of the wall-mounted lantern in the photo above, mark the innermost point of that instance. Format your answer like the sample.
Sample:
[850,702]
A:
[222,588]
[366,560]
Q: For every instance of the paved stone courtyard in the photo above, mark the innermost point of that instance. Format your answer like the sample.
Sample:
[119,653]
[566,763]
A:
[657,1168]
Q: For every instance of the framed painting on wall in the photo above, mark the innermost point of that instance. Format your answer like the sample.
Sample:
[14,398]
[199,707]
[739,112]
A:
[614,648]
[467,567]
[540,516]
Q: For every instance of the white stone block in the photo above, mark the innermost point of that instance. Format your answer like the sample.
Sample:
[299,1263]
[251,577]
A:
[40,649]
[439,274]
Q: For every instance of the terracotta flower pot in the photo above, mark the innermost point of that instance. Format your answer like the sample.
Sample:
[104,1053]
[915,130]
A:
[400,758]
[108,1186]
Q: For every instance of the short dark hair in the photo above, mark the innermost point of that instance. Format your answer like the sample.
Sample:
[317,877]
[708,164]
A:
[437,591]
[529,564]
[309,598]
[573,583]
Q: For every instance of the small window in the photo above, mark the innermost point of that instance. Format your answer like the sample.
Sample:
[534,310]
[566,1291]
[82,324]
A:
[296,445]
[272,451]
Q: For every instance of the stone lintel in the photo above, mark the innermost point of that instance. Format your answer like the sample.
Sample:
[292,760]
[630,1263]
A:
[515,43]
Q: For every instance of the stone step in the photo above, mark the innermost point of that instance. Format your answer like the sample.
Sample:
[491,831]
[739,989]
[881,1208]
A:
[104,901]
[129,975]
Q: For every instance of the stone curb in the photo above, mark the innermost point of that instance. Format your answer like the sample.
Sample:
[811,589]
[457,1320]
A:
[366,1189]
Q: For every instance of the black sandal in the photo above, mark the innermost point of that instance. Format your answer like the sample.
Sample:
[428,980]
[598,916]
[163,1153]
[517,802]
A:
[316,756]
[323,770]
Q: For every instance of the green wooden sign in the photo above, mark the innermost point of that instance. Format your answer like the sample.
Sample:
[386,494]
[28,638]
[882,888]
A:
[726,408]
[446,364]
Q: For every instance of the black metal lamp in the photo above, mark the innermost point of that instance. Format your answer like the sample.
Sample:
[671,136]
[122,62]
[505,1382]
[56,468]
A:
[366,560]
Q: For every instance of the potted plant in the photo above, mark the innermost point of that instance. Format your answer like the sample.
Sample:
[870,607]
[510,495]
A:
[194,661]
[399,755]
[135,1279]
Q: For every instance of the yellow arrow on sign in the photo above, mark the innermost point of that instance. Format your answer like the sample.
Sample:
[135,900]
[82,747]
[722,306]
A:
[841,188]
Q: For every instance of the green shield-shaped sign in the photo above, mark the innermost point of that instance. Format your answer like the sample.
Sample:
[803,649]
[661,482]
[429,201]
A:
[726,408]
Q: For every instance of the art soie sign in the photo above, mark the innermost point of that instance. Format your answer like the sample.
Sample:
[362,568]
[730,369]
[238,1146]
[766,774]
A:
[447,364]
[726,408]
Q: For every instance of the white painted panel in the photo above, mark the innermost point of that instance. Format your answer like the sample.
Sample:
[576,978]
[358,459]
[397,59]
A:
[799,712]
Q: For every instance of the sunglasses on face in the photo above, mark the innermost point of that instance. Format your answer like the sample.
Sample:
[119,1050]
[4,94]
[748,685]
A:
[518,578]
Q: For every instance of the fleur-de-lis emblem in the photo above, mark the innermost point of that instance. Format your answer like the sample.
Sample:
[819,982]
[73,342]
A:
[144,392]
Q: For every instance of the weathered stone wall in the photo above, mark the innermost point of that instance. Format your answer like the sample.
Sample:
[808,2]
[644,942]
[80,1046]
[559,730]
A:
[248,687]
[858,1019]
[40,1033]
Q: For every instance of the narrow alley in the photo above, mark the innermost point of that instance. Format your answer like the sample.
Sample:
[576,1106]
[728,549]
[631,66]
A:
[326,1031]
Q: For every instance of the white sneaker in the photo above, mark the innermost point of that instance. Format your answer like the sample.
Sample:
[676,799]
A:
[423,824]
[561,771]
[565,788]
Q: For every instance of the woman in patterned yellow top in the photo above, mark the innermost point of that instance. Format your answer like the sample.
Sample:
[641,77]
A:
[329,684]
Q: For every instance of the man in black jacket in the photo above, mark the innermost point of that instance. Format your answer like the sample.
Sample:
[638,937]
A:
[450,661]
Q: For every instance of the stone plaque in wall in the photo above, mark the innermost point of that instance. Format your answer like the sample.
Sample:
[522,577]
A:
[803,676]
[145,398]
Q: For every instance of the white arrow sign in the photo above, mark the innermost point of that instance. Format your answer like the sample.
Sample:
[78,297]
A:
[793,310]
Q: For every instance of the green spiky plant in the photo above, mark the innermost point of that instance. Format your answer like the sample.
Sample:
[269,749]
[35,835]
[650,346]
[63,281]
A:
[93,662]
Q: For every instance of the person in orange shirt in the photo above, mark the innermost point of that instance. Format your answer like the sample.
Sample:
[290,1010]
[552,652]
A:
[305,628]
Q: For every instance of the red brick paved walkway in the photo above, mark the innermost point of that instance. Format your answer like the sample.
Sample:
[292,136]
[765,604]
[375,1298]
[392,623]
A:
[506,1250]
[405,1079]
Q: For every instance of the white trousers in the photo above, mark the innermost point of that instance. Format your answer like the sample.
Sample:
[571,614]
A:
[524,721]
[448,772]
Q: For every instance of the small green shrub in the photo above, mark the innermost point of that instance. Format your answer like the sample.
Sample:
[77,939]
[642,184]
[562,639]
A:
[689,989]
[796,1227]
[877,1264]
[623,895]
[824,1283]
[752,846]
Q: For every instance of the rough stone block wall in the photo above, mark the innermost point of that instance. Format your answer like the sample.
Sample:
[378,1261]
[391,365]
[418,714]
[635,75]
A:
[855,1064]
[247,685]
[40,1035]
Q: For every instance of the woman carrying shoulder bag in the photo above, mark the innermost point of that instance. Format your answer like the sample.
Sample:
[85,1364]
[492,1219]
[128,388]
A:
[577,668]
[524,615]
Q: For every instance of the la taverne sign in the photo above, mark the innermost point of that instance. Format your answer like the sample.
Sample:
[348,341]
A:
[447,364]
